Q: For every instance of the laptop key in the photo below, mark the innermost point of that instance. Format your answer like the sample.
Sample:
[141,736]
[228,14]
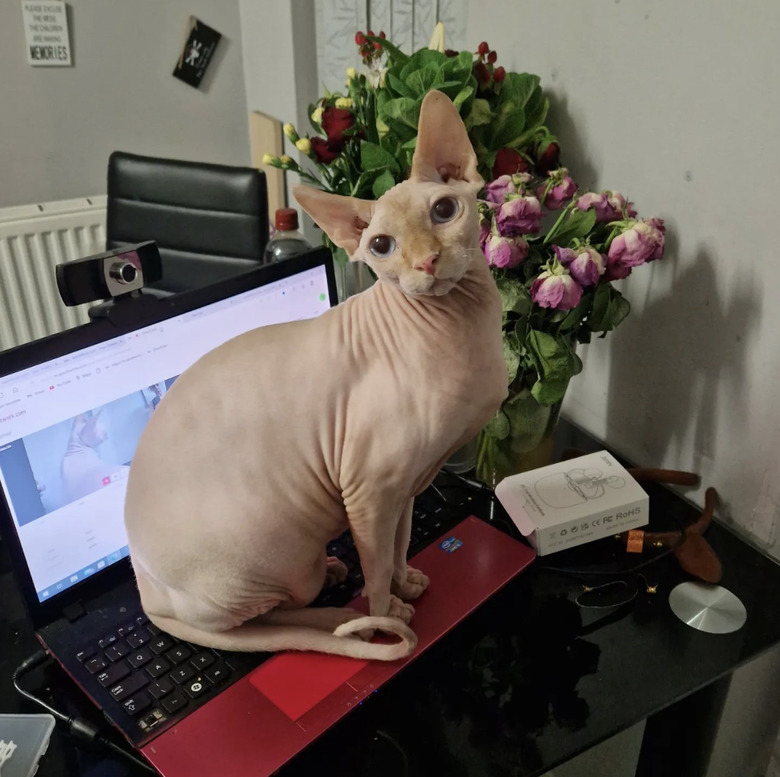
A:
[196,687]
[96,664]
[137,703]
[181,674]
[218,673]
[174,702]
[152,629]
[139,658]
[123,631]
[139,637]
[132,684]
[117,651]
[160,643]
[108,640]
[113,674]
[141,619]
[160,688]
[202,660]
[83,655]
[158,667]
[179,654]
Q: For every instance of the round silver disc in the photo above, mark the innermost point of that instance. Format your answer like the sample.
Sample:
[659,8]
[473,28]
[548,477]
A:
[706,607]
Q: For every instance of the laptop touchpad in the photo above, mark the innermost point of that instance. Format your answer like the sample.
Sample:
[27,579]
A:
[296,682]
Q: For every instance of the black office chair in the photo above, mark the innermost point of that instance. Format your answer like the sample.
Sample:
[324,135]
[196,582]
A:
[209,221]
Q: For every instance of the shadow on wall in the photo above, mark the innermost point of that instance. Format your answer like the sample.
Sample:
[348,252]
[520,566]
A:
[693,357]
[573,152]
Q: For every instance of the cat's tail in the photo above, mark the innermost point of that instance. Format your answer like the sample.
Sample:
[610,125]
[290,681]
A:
[255,636]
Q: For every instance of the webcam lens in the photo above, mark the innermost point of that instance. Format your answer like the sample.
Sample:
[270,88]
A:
[123,272]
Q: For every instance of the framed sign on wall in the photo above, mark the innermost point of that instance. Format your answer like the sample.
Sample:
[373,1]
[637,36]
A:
[46,33]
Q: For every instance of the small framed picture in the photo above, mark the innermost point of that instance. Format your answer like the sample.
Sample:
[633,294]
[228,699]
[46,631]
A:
[197,53]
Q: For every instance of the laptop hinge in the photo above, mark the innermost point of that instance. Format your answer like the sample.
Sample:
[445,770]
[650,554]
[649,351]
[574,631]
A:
[74,611]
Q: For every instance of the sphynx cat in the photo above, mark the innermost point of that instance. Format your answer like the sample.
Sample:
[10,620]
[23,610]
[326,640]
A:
[274,443]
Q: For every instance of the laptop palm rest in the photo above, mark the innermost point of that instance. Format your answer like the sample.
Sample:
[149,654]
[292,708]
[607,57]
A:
[291,699]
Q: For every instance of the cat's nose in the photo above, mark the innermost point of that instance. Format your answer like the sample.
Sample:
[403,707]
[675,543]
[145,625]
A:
[427,265]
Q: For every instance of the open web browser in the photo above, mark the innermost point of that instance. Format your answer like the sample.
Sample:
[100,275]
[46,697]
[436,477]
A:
[69,427]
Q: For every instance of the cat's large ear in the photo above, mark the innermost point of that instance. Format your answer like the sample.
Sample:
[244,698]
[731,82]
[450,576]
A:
[443,149]
[342,218]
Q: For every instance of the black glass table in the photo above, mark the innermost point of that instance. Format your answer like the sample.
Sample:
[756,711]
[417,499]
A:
[528,681]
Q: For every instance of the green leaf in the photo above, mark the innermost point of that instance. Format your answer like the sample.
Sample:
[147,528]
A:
[574,223]
[374,157]
[498,426]
[396,84]
[514,296]
[401,109]
[395,55]
[422,58]
[536,110]
[462,96]
[573,317]
[509,127]
[518,88]
[555,364]
[384,182]
[479,115]
[421,81]
[511,350]
[610,307]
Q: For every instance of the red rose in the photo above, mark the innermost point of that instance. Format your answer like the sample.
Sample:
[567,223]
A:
[548,159]
[335,122]
[322,151]
[508,162]
[483,74]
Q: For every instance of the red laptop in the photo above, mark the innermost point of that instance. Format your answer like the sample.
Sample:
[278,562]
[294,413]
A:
[63,492]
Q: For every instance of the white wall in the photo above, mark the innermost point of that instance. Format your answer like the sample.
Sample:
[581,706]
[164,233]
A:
[675,105]
[58,125]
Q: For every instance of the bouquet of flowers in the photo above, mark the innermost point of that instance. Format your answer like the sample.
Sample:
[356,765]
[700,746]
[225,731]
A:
[554,249]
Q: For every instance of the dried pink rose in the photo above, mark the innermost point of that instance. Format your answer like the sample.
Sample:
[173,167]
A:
[498,190]
[642,241]
[505,252]
[609,206]
[585,264]
[557,290]
[560,189]
[519,215]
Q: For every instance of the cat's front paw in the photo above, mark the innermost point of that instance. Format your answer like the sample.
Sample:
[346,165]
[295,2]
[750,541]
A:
[335,572]
[416,582]
[400,609]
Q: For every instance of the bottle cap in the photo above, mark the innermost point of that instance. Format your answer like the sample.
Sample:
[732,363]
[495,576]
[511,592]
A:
[286,219]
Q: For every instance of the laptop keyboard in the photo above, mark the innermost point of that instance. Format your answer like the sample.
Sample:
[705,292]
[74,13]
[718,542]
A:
[153,678]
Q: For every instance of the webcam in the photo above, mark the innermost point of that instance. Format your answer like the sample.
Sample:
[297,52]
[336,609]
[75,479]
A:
[110,275]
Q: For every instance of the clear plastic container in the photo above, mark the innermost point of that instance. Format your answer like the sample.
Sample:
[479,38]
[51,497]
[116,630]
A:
[287,240]
[24,740]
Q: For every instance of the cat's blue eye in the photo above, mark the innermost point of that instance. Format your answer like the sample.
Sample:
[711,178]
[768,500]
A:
[444,210]
[382,246]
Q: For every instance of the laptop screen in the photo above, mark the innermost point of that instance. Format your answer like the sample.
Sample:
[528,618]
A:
[69,426]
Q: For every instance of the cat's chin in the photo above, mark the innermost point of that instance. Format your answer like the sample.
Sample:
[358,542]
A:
[438,288]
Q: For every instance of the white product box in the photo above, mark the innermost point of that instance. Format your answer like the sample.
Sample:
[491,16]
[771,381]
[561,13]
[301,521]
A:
[573,502]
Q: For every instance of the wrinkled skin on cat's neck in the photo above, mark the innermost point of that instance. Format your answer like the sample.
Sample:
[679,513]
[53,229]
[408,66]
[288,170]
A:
[277,441]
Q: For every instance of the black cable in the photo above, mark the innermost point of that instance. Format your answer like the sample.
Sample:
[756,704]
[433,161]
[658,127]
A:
[77,727]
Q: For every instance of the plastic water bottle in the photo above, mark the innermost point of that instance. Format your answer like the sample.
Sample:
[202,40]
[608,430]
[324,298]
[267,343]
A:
[287,240]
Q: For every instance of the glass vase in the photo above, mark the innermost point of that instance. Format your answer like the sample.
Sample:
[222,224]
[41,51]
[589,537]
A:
[528,443]
[351,278]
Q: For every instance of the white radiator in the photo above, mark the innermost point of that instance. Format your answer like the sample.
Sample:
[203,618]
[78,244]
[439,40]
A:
[33,239]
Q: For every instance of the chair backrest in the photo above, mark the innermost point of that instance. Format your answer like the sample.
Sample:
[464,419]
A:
[209,221]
